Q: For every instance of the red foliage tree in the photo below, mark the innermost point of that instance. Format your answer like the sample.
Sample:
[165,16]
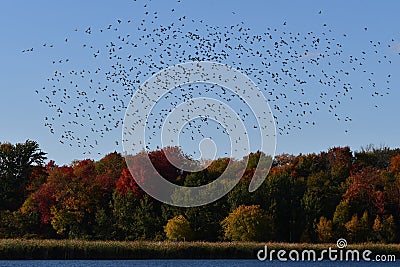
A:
[160,160]
[126,183]
[85,170]
[37,177]
[365,190]
[47,194]
[144,165]
[44,199]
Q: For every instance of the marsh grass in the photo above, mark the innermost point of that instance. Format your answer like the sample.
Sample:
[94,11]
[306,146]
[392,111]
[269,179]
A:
[12,249]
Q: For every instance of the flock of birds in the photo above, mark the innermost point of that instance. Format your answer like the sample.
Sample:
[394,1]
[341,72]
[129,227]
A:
[300,73]
[211,92]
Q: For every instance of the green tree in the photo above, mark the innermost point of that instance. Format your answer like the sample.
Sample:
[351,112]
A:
[123,209]
[205,220]
[365,230]
[14,224]
[240,194]
[68,222]
[135,219]
[178,228]
[16,163]
[112,164]
[378,157]
[389,229]
[385,231]
[340,217]
[248,223]
[147,220]
[103,228]
[284,193]
[317,201]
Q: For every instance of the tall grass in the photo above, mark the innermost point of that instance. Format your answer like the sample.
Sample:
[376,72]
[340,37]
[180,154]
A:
[12,249]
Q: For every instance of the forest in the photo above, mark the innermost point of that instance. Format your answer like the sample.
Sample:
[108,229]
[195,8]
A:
[314,198]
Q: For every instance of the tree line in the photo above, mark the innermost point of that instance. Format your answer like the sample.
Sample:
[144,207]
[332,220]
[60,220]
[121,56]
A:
[306,198]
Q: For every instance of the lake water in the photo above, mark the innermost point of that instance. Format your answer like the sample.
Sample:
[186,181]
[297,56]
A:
[189,263]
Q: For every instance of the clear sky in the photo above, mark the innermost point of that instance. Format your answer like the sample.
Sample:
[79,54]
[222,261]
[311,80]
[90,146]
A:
[357,25]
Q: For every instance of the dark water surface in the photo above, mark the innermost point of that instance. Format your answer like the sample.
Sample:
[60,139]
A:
[189,263]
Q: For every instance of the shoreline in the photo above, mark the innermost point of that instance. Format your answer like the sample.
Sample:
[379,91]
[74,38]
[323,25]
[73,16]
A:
[36,249]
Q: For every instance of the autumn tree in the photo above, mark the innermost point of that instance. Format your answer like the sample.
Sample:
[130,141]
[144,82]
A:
[385,231]
[126,184]
[46,196]
[282,160]
[391,187]
[365,191]
[395,164]
[143,166]
[358,228]
[248,223]
[37,177]
[324,229]
[306,198]
[73,200]
[178,228]
[353,227]
[166,160]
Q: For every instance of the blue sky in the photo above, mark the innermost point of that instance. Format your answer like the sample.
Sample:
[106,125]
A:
[30,24]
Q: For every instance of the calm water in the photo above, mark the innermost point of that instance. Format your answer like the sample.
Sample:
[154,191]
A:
[190,263]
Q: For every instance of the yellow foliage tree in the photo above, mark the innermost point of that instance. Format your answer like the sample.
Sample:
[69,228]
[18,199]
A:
[358,229]
[178,228]
[248,223]
[324,229]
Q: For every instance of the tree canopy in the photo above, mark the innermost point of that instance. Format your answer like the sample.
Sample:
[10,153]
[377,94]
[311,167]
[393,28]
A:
[305,198]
